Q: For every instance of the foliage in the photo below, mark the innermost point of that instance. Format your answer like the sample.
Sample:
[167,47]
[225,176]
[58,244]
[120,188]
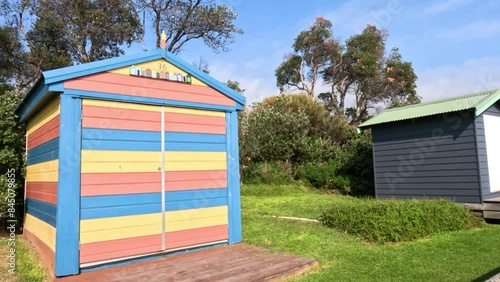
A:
[10,49]
[398,220]
[85,30]
[273,132]
[356,161]
[362,69]
[185,20]
[323,176]
[267,173]
[11,151]
[273,190]
[312,47]
[235,85]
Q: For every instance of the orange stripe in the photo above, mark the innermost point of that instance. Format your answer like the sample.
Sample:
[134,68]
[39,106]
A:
[137,86]
[195,123]
[120,124]
[45,133]
[44,251]
[97,184]
[196,236]
[43,191]
[120,248]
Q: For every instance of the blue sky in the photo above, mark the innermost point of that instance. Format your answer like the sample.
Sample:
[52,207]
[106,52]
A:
[454,45]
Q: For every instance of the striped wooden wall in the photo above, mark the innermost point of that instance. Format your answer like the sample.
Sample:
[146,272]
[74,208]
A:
[41,180]
[119,82]
[121,204]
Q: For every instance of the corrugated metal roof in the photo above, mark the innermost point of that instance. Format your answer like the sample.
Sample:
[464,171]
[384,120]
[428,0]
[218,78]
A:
[479,101]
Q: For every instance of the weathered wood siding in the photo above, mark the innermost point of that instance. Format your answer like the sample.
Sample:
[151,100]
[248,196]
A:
[481,147]
[430,157]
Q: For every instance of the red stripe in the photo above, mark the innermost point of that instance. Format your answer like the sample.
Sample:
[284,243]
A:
[45,133]
[98,184]
[92,252]
[44,251]
[120,248]
[145,87]
[196,236]
[42,191]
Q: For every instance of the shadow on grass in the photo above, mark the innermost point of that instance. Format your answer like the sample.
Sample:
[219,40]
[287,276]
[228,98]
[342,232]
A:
[488,275]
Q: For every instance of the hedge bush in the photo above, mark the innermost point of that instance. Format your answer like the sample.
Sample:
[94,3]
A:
[267,173]
[383,221]
[323,176]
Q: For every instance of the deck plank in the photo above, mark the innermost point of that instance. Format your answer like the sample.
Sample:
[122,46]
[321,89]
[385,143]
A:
[239,262]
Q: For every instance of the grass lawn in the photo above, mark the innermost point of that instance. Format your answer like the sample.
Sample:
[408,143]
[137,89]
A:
[29,267]
[457,256]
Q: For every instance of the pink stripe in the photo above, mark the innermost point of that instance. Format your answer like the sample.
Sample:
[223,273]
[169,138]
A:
[98,184]
[152,88]
[119,248]
[126,119]
[92,252]
[42,191]
[45,133]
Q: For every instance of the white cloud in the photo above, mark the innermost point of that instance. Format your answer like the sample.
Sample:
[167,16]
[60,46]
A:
[478,29]
[469,77]
[444,6]
[257,87]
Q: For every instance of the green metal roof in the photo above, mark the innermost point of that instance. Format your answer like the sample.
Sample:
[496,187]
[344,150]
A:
[479,101]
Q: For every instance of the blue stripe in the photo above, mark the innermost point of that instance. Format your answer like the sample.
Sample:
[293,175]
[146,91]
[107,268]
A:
[42,210]
[133,140]
[145,100]
[204,147]
[46,152]
[195,137]
[134,204]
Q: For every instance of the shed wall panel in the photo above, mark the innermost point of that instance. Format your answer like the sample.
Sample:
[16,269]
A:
[430,157]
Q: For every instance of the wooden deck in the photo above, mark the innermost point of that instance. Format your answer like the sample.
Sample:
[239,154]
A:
[490,209]
[228,263]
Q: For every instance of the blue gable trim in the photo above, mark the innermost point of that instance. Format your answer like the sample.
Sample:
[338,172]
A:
[52,81]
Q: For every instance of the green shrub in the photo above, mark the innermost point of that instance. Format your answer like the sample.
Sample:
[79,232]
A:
[266,190]
[323,176]
[267,173]
[398,220]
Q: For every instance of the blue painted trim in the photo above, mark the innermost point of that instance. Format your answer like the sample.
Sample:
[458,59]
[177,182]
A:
[68,189]
[42,210]
[28,104]
[67,73]
[56,87]
[195,137]
[150,257]
[233,178]
[46,152]
[144,100]
[135,204]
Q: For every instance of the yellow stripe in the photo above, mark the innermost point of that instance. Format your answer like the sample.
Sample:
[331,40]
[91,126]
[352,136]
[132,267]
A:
[50,111]
[120,105]
[45,172]
[195,218]
[112,228]
[137,161]
[194,112]
[182,161]
[42,230]
[154,65]
[120,156]
[188,166]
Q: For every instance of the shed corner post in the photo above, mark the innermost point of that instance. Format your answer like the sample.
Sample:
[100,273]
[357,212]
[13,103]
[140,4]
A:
[68,190]
[233,167]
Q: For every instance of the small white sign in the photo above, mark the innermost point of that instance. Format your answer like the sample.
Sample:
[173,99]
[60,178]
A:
[492,133]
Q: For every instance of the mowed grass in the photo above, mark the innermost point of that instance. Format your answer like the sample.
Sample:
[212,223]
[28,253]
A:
[454,256]
[29,267]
